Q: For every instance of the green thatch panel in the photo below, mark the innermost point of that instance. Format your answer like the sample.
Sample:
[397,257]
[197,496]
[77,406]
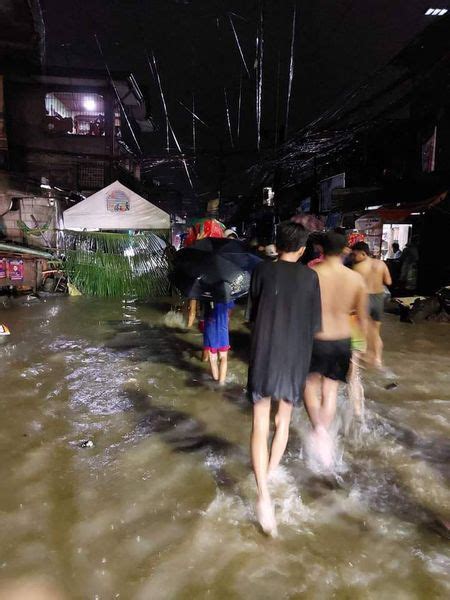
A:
[117,264]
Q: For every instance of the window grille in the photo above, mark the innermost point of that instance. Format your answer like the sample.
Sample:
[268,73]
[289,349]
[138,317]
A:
[91,176]
[75,113]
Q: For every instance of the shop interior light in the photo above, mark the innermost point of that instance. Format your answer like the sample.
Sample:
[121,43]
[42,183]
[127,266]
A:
[89,104]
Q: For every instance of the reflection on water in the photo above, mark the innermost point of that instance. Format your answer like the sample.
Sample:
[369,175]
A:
[162,505]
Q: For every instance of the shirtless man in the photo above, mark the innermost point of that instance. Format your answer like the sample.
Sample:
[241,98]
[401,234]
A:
[343,292]
[376,275]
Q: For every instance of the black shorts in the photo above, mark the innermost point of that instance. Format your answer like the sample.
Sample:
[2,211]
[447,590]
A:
[331,358]
[376,306]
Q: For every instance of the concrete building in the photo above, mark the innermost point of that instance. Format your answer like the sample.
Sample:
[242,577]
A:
[64,133]
[77,129]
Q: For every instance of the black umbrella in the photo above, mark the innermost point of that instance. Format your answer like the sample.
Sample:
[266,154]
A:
[214,268]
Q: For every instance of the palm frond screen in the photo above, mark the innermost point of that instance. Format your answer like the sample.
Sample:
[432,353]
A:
[117,264]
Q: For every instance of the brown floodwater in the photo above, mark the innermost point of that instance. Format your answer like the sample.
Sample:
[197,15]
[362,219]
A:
[161,505]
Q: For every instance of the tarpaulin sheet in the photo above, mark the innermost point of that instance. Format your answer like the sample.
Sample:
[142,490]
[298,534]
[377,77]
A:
[204,228]
[402,213]
[115,207]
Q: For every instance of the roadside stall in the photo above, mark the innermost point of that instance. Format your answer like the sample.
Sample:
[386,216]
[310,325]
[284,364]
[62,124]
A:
[407,225]
[370,226]
[385,225]
[116,244]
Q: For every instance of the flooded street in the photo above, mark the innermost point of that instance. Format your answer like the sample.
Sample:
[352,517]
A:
[162,505]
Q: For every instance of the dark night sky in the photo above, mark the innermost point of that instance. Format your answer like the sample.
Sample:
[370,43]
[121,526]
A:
[339,44]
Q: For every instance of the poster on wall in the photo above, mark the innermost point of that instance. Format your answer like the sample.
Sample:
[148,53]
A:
[2,268]
[305,205]
[326,187]
[3,139]
[15,269]
[372,228]
[429,153]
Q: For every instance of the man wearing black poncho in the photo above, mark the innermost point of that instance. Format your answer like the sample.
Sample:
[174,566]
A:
[285,312]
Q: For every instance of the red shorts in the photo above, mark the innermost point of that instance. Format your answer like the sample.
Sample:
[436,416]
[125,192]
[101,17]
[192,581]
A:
[216,350]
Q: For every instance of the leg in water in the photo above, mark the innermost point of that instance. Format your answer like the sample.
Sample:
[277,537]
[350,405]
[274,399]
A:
[355,387]
[214,363]
[280,439]
[260,460]
[320,402]
[223,366]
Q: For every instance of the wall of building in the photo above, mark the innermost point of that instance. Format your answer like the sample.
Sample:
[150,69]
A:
[76,162]
[3,138]
[33,212]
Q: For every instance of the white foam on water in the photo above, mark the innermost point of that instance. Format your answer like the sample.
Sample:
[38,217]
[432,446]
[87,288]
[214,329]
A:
[229,508]
[175,320]
[212,461]
[388,373]
[313,461]
[436,563]
[343,424]
[239,509]
[289,508]
[232,378]
[35,371]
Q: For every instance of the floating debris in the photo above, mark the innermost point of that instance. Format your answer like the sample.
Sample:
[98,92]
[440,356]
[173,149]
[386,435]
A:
[4,330]
[86,444]
[391,386]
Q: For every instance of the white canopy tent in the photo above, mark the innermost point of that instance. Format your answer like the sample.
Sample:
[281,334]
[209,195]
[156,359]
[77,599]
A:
[116,208]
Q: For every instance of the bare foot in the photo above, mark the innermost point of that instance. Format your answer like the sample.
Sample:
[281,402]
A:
[266,516]
[324,446]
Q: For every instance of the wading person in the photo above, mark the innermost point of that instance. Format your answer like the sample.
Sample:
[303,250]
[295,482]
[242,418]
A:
[343,292]
[376,275]
[216,340]
[194,311]
[284,310]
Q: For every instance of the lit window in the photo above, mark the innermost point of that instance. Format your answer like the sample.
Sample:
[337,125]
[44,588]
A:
[430,11]
[89,104]
[75,113]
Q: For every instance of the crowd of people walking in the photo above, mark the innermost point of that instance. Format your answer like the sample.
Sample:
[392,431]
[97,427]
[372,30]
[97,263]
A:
[312,326]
